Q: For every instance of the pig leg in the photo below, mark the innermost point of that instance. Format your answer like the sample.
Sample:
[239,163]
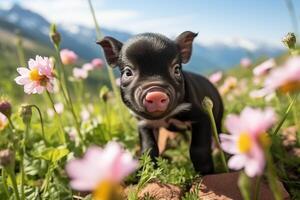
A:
[200,149]
[148,141]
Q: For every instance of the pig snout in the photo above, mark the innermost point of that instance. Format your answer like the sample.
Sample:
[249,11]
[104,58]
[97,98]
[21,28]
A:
[156,101]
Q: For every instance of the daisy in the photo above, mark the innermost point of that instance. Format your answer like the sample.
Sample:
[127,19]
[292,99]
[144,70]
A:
[38,77]
[248,139]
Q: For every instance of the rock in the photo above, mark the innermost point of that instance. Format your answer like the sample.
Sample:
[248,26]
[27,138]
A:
[224,187]
[161,191]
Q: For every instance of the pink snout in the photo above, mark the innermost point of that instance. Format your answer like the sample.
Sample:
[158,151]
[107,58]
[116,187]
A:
[156,101]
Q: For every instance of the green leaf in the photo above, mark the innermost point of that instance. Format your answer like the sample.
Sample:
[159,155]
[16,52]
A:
[52,154]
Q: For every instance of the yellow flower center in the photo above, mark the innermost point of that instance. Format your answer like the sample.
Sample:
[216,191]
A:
[34,75]
[290,87]
[107,190]
[264,140]
[244,142]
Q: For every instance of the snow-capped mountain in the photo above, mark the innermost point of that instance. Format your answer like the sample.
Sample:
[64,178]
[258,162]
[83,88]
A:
[206,57]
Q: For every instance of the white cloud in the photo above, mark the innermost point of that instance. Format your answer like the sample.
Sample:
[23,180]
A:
[77,12]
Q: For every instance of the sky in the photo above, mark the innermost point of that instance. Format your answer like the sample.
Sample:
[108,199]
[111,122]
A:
[215,20]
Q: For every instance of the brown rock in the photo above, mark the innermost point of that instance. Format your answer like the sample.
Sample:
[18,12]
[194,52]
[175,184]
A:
[161,191]
[224,187]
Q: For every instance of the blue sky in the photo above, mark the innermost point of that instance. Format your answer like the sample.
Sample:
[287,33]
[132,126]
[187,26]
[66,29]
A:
[215,20]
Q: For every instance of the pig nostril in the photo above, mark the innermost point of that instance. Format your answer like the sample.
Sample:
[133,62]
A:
[149,101]
[163,100]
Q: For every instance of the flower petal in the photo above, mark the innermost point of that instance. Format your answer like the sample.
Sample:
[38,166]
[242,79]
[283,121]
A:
[237,162]
[229,143]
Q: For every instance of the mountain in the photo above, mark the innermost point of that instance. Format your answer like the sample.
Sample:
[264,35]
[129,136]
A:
[82,39]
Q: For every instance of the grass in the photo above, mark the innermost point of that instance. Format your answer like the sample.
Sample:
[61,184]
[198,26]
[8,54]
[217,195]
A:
[44,156]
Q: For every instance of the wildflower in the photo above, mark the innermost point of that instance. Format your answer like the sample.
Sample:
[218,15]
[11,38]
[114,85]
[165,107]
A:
[38,77]
[85,115]
[72,133]
[54,35]
[100,169]
[68,57]
[264,67]
[245,62]
[3,121]
[6,157]
[26,114]
[286,78]
[248,139]
[59,108]
[216,77]
[80,73]
[289,40]
[5,108]
[97,63]
[229,84]
[88,67]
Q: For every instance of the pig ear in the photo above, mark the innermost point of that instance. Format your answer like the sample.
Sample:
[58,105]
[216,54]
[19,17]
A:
[185,43]
[111,48]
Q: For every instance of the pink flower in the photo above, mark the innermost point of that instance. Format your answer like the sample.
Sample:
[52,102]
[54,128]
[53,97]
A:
[248,139]
[88,67]
[246,62]
[97,63]
[3,121]
[264,67]
[85,115]
[285,78]
[229,84]
[59,107]
[68,57]
[38,77]
[72,133]
[80,73]
[216,77]
[111,164]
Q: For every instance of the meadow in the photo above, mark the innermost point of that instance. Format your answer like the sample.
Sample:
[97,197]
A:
[56,113]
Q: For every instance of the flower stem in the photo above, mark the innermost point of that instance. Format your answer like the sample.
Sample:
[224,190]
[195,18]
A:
[12,176]
[293,110]
[99,37]
[285,115]
[5,183]
[11,124]
[42,124]
[272,177]
[61,136]
[20,51]
[216,138]
[67,96]
[244,186]
[110,71]
[257,188]
[22,161]
[293,15]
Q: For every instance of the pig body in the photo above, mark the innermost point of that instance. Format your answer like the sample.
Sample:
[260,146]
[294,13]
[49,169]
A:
[160,94]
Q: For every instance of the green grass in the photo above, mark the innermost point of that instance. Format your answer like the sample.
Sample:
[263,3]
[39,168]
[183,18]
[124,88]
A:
[45,162]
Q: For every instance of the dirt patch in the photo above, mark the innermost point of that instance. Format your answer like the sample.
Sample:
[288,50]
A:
[224,187]
[161,191]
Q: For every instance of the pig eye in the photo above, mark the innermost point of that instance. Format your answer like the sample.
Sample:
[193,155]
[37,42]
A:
[177,70]
[127,73]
